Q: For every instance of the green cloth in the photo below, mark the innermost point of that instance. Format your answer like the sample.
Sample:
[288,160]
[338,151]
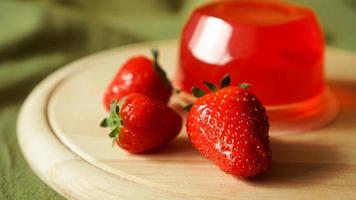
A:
[37,37]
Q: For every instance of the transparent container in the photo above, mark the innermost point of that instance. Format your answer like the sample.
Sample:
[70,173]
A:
[276,47]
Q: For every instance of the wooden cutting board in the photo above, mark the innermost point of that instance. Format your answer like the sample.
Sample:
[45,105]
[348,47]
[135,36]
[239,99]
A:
[59,135]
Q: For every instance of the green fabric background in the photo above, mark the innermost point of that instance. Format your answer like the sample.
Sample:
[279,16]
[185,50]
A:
[37,37]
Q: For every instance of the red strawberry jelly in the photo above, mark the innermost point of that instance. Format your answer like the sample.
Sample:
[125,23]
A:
[275,46]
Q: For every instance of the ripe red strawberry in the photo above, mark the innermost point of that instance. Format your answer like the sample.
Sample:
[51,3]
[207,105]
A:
[140,123]
[139,75]
[230,128]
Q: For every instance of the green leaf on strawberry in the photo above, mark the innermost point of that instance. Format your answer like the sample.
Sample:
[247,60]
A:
[225,82]
[211,86]
[114,121]
[245,85]
[197,92]
[188,107]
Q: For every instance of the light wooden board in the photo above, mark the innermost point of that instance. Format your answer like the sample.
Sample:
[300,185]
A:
[60,137]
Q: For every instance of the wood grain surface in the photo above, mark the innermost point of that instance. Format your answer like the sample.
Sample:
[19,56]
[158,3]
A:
[60,137]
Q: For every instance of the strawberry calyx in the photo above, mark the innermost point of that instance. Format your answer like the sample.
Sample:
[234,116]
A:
[225,82]
[157,67]
[245,85]
[114,121]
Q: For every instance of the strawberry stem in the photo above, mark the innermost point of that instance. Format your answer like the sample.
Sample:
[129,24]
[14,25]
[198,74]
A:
[157,67]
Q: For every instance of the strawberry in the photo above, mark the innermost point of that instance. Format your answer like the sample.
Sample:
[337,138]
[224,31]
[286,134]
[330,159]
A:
[230,127]
[140,123]
[139,75]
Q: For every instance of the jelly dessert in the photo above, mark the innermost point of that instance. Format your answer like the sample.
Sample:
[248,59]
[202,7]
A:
[276,47]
